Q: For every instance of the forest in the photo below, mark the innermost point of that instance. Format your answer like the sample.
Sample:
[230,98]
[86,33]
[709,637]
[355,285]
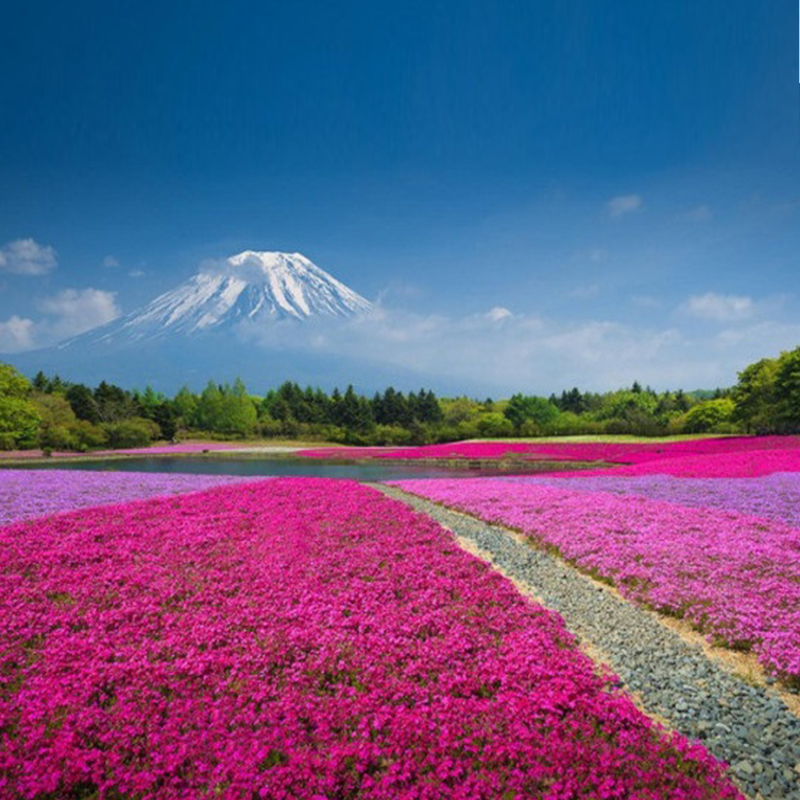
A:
[55,414]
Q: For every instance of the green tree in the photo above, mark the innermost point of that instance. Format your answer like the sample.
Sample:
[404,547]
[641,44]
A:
[113,403]
[81,398]
[754,396]
[522,409]
[495,424]
[57,421]
[787,391]
[709,416]
[209,407]
[19,419]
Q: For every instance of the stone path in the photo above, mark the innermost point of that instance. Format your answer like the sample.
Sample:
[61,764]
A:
[672,680]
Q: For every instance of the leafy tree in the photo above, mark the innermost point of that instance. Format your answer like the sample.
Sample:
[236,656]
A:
[57,421]
[620,404]
[495,424]
[391,408]
[787,391]
[355,413]
[572,401]
[209,407]
[460,409]
[429,410]
[19,419]
[113,403]
[709,416]
[40,382]
[184,407]
[754,396]
[133,432]
[529,408]
[81,399]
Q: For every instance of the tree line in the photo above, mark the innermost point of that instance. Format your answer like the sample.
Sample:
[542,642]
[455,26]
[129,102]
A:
[55,414]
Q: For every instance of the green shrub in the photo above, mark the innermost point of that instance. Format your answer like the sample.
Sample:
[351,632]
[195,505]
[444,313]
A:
[494,424]
[133,432]
[391,435]
[707,417]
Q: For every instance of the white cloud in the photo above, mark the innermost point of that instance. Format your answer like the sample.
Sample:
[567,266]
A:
[16,335]
[498,313]
[719,307]
[27,257]
[136,273]
[110,261]
[475,354]
[66,314]
[77,310]
[624,204]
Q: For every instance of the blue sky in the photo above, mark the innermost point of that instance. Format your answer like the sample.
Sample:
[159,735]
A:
[620,181]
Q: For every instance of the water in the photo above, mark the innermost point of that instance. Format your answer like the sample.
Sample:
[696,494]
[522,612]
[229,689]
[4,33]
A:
[230,465]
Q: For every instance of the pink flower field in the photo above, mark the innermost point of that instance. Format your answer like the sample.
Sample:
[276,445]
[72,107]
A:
[734,576]
[611,452]
[741,464]
[301,638]
[26,493]
[774,496]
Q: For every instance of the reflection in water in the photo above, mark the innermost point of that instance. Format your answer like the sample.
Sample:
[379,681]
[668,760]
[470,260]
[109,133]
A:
[230,465]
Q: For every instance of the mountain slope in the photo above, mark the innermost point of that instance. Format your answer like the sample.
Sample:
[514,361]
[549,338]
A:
[251,286]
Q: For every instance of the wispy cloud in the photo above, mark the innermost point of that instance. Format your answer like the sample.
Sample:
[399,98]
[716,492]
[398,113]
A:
[498,313]
[623,204]
[719,307]
[476,354]
[111,262]
[17,335]
[27,257]
[699,213]
[65,314]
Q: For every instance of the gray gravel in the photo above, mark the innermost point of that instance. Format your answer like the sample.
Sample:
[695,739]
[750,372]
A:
[748,727]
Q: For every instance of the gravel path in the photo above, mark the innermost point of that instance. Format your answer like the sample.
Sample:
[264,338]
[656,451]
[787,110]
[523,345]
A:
[746,726]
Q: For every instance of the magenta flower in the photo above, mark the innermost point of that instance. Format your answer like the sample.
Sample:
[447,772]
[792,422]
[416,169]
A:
[300,638]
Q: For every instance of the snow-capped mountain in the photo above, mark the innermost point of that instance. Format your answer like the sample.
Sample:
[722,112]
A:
[251,286]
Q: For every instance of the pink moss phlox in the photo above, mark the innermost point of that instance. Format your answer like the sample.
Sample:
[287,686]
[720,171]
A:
[734,576]
[300,638]
[639,453]
[26,493]
[742,464]
[774,496]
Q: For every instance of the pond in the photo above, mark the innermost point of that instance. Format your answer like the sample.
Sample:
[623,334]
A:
[230,465]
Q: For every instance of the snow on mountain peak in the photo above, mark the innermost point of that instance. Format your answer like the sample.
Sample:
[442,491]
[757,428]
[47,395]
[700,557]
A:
[255,286]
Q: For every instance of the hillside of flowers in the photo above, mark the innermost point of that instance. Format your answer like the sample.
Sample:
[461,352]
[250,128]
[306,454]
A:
[639,453]
[300,638]
[734,576]
[773,496]
[742,464]
[26,493]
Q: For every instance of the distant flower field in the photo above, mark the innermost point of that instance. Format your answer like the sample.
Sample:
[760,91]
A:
[734,576]
[26,493]
[300,638]
[639,453]
[773,496]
